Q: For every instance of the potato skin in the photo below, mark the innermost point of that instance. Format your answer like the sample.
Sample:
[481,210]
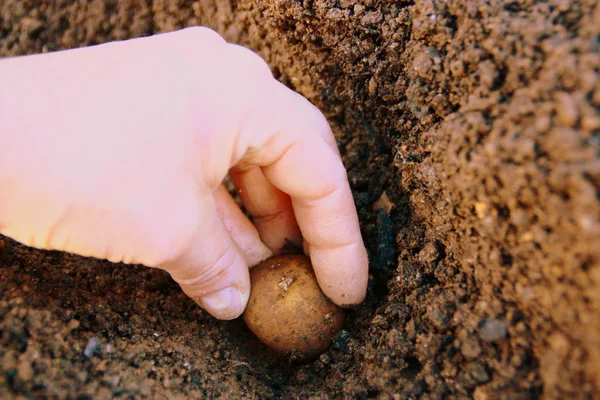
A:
[287,309]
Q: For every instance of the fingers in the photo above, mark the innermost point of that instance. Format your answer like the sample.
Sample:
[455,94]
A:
[240,229]
[271,209]
[212,271]
[297,157]
[326,214]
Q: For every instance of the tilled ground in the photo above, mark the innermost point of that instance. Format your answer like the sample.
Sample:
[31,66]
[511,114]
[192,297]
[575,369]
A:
[471,133]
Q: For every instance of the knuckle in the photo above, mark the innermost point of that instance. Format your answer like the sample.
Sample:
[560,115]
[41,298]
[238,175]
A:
[312,116]
[306,118]
[253,64]
[221,265]
[196,34]
[202,278]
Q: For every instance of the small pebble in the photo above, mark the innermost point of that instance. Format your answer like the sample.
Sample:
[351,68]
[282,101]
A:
[493,330]
[93,345]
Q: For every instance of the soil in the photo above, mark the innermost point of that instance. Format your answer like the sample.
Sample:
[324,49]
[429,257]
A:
[471,134]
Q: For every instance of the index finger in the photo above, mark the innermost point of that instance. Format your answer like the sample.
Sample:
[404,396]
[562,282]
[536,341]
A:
[296,157]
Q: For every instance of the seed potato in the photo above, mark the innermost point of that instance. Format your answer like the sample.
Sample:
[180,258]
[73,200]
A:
[287,309]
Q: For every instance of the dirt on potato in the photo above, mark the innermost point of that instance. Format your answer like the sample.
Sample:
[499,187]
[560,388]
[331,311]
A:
[471,134]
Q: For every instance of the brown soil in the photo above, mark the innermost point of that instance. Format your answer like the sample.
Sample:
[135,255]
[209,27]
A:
[480,120]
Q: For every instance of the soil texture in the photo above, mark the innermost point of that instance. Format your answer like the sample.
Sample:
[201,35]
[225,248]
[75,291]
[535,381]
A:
[471,134]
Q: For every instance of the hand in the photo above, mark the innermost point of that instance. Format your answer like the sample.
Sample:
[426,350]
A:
[119,151]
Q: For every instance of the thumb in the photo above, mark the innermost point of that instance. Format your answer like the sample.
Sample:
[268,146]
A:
[212,270]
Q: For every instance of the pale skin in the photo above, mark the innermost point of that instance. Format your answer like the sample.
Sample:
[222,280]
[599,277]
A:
[119,151]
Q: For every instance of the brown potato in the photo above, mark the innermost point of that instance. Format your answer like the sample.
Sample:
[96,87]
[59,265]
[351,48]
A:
[287,309]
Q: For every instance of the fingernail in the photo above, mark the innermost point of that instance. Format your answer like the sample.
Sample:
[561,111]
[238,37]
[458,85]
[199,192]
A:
[225,304]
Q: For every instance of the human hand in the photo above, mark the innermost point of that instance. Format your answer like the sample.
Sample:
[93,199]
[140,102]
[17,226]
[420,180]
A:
[119,151]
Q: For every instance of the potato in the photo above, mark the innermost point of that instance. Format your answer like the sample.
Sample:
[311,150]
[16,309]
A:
[287,309]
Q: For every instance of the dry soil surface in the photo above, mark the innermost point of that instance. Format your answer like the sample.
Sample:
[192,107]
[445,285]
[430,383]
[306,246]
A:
[471,134]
